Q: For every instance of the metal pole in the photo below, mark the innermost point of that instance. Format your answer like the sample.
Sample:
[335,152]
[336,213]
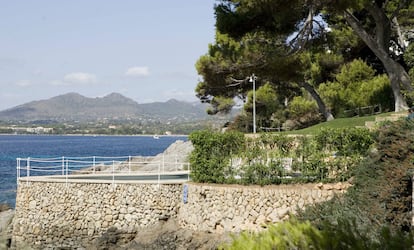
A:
[28,170]
[129,164]
[67,170]
[113,172]
[28,167]
[18,171]
[63,165]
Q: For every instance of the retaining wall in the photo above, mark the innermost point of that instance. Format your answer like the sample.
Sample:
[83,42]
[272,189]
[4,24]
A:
[236,208]
[73,214]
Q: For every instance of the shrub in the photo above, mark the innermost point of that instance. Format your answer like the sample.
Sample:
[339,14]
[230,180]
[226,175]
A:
[381,196]
[331,155]
[212,153]
[291,234]
[294,234]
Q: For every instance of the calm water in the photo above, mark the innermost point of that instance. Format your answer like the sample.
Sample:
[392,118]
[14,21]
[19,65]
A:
[14,146]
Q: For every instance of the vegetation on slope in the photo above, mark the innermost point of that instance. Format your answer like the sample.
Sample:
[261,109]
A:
[271,158]
[375,213]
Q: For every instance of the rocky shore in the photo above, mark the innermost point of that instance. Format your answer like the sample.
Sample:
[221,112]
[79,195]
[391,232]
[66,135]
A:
[173,158]
[166,234]
[101,216]
[163,235]
[6,217]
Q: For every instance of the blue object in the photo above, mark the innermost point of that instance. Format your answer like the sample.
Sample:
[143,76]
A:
[185,193]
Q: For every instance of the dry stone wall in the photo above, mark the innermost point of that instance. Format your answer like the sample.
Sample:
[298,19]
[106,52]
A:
[236,208]
[71,215]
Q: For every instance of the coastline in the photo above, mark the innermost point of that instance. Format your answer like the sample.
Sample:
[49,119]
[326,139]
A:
[50,146]
[94,135]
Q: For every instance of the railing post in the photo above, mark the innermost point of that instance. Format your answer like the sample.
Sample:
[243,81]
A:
[28,170]
[18,170]
[94,163]
[129,164]
[113,172]
[67,170]
[63,165]
[28,167]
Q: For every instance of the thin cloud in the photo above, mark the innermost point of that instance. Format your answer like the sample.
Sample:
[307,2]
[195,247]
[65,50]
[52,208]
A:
[23,83]
[137,71]
[80,78]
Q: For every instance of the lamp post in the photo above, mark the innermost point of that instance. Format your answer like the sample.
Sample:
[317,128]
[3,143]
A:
[253,80]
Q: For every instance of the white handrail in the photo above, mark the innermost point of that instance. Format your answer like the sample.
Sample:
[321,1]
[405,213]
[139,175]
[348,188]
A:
[110,165]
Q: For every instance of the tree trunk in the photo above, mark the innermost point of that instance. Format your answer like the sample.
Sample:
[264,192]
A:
[321,105]
[380,46]
[397,76]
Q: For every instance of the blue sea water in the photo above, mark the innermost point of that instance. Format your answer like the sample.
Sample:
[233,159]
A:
[45,146]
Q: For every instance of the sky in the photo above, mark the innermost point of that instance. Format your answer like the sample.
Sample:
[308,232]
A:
[144,50]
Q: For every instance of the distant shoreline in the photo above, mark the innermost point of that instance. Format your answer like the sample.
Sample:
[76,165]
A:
[95,135]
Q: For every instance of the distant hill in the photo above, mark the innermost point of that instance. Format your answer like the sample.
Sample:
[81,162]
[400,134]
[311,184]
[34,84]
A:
[75,107]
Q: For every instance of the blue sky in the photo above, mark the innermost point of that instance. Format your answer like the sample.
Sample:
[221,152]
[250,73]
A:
[145,50]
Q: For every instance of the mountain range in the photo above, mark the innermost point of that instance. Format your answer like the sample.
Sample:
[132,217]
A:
[113,107]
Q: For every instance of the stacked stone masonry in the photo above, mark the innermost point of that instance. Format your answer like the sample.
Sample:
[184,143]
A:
[71,215]
[237,208]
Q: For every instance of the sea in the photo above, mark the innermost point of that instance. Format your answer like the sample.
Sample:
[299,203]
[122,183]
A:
[51,146]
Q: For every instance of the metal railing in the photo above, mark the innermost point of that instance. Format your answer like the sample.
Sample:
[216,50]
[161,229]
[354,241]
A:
[100,165]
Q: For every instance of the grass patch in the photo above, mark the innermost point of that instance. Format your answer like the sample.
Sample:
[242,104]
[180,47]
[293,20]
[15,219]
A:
[339,123]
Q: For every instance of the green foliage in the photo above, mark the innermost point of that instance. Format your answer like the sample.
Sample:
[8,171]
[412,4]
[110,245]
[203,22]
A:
[356,86]
[301,106]
[345,234]
[240,17]
[345,141]
[287,235]
[211,155]
[379,203]
[251,37]
[266,103]
[409,56]
[295,234]
[220,104]
[339,123]
[302,112]
[409,60]
[242,123]
[277,158]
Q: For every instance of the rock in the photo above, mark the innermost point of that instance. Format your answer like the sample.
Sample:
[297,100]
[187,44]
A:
[5,219]
[113,238]
[32,205]
[168,235]
[173,156]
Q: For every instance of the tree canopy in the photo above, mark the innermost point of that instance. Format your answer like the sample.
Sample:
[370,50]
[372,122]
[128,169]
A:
[303,44]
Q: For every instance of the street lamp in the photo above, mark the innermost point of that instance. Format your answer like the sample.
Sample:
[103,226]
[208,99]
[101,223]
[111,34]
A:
[253,80]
